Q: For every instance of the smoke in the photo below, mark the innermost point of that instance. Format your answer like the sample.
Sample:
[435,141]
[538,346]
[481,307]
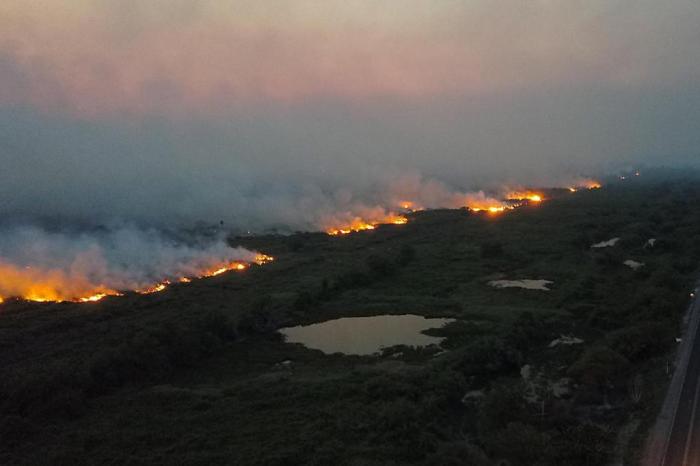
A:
[40,264]
[313,115]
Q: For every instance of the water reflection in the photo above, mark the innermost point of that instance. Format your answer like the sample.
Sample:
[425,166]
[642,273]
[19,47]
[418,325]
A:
[365,335]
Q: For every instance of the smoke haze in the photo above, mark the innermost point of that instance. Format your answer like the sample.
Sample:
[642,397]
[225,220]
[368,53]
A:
[60,265]
[303,114]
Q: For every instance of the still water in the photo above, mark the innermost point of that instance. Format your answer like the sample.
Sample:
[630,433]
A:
[365,335]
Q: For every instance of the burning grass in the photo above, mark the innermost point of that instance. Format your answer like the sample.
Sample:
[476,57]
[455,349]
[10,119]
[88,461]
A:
[36,285]
[359,224]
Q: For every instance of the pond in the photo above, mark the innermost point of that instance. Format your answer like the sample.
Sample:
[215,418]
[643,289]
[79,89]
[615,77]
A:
[365,335]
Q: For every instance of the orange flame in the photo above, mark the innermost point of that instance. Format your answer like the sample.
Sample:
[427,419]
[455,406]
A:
[158,287]
[359,224]
[261,259]
[32,285]
[491,209]
[525,196]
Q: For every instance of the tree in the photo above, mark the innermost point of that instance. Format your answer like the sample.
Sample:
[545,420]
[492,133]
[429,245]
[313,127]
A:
[502,405]
[599,367]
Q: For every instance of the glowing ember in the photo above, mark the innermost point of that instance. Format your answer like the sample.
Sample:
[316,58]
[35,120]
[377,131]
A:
[185,280]
[261,259]
[585,183]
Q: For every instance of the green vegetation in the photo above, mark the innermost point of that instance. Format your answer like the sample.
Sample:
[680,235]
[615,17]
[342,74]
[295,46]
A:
[199,375]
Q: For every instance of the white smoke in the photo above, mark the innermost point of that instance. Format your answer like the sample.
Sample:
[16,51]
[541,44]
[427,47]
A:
[69,265]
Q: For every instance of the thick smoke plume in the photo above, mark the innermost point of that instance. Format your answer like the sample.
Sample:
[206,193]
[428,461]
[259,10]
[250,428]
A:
[57,265]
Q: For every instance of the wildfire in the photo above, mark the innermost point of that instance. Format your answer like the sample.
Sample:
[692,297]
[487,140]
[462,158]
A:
[491,209]
[525,196]
[489,205]
[31,285]
[95,297]
[261,259]
[585,184]
[359,224]
[226,268]
[398,220]
[410,206]
[158,287]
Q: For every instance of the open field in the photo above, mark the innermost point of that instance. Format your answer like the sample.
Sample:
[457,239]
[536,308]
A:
[198,374]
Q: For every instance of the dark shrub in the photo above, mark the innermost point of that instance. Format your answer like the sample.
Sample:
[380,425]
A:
[380,266]
[303,302]
[582,445]
[640,341]
[599,365]
[491,250]
[458,454]
[519,443]
[488,356]
[406,255]
[502,405]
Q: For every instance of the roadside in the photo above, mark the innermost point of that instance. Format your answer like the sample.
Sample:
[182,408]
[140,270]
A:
[660,435]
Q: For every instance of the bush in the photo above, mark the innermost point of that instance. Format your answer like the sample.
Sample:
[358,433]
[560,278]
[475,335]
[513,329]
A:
[54,392]
[256,322]
[351,279]
[526,332]
[303,302]
[582,445]
[488,356]
[218,324]
[640,341]
[502,405]
[519,443]
[380,266]
[458,454]
[599,365]
[406,255]
[491,249]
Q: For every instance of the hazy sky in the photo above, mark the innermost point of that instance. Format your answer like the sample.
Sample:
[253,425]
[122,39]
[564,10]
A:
[272,112]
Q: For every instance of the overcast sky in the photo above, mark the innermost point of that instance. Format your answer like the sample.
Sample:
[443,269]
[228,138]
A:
[270,112]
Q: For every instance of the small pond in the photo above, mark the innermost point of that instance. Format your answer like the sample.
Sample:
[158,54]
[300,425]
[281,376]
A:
[365,335]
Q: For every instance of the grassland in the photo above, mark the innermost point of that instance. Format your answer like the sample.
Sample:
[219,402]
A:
[193,375]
